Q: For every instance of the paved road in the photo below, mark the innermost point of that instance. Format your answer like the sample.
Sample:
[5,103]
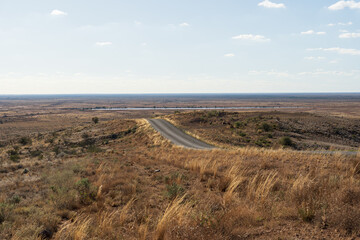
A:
[176,136]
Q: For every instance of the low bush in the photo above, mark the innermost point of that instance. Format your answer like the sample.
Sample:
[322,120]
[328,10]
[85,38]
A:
[25,141]
[286,141]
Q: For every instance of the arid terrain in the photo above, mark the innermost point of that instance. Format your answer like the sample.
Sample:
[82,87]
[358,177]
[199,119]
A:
[68,172]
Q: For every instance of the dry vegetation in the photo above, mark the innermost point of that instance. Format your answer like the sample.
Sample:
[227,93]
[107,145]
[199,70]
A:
[121,180]
[68,177]
[272,129]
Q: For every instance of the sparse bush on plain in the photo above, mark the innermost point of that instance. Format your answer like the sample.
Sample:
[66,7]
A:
[286,141]
[86,191]
[14,155]
[25,141]
[95,120]
[265,126]
[174,190]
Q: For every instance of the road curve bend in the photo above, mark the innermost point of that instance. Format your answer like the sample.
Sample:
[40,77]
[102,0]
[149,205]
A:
[177,136]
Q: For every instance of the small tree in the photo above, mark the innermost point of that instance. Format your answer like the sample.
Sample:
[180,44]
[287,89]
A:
[95,120]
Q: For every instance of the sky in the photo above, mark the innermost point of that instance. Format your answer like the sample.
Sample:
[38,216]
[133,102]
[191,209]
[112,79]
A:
[173,46]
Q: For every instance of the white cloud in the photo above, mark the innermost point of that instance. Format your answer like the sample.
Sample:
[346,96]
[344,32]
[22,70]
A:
[308,32]
[314,58]
[102,44]
[348,51]
[345,4]
[311,32]
[345,24]
[269,73]
[319,72]
[229,55]
[269,4]
[138,23]
[349,35]
[257,38]
[184,24]
[340,24]
[58,13]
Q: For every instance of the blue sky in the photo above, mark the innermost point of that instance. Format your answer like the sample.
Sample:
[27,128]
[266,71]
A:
[173,46]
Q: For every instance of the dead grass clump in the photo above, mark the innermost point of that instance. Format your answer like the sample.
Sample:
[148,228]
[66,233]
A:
[175,214]
[310,196]
[238,220]
[355,168]
[346,218]
[78,229]
[261,185]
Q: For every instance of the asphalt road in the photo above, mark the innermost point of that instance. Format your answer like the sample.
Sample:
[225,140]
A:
[177,136]
[180,138]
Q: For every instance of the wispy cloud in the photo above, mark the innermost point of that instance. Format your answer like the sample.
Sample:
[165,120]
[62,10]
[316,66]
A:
[229,55]
[311,32]
[269,4]
[102,44]
[349,35]
[184,24]
[251,37]
[314,58]
[348,51]
[340,24]
[269,73]
[345,4]
[56,12]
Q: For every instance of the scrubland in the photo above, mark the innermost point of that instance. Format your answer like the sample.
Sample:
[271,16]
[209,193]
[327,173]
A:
[304,131]
[121,180]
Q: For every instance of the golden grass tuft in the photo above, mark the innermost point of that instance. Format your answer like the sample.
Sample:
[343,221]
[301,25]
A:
[176,212]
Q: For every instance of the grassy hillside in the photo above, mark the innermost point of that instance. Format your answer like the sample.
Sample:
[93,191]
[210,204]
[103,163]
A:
[122,180]
[270,129]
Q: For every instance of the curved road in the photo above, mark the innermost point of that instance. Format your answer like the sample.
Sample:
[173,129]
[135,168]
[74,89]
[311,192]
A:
[176,136]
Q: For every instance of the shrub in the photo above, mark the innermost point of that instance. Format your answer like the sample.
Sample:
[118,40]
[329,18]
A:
[237,124]
[265,126]
[95,120]
[14,155]
[86,191]
[25,141]
[3,212]
[35,153]
[174,190]
[286,141]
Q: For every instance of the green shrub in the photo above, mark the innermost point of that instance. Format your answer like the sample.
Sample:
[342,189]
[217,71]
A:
[94,149]
[25,141]
[266,127]
[174,190]
[286,141]
[14,155]
[87,192]
[95,120]
[237,124]
[35,153]
[3,212]
[15,199]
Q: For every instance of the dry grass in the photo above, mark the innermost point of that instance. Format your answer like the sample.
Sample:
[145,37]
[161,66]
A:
[246,193]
